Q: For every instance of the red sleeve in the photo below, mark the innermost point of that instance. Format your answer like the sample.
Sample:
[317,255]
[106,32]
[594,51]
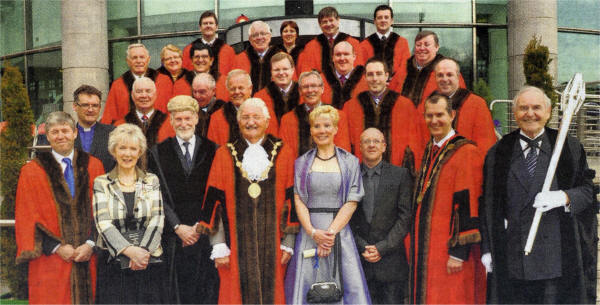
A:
[288,132]
[342,138]
[221,92]
[467,189]
[401,56]
[366,49]
[310,57]
[187,61]
[242,62]
[218,131]
[226,59]
[164,92]
[359,61]
[215,191]
[113,109]
[166,130]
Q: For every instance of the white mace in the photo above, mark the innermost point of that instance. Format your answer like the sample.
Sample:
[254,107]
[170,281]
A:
[571,100]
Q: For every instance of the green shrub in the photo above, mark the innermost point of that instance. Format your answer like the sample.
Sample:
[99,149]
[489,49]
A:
[535,66]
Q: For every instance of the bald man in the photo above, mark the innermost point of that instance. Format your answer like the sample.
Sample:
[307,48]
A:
[345,80]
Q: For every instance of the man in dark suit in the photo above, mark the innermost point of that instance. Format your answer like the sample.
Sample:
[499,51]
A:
[382,221]
[92,136]
[561,268]
[182,164]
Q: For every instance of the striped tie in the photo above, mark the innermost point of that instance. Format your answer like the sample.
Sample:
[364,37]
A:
[531,157]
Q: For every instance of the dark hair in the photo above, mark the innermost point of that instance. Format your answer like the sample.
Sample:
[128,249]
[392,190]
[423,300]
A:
[328,11]
[208,14]
[383,7]
[374,59]
[86,89]
[199,46]
[290,23]
[435,98]
[423,34]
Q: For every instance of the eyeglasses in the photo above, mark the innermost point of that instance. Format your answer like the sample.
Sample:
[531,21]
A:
[172,58]
[87,106]
[371,141]
[201,56]
[311,86]
[255,117]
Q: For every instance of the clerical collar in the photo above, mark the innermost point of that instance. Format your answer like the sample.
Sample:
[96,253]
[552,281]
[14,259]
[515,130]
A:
[86,129]
[309,109]
[287,89]
[347,75]
[141,115]
[442,141]
[210,43]
[58,157]
[386,35]
[536,136]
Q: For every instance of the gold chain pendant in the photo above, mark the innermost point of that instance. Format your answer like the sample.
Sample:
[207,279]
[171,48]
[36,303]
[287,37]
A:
[254,190]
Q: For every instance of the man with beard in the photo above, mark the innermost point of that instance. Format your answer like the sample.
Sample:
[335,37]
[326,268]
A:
[345,80]
[248,211]
[203,90]
[295,127]
[118,102]
[182,164]
[223,125]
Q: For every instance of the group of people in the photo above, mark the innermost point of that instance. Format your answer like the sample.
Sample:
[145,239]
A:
[336,171]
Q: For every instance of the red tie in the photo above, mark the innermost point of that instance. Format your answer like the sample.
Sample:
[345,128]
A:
[145,121]
[342,79]
[434,152]
[330,41]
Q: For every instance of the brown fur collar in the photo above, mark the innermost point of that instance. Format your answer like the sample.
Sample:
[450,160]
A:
[416,80]
[260,69]
[341,94]
[128,79]
[156,121]
[383,121]
[304,138]
[326,50]
[384,51]
[280,106]
[230,114]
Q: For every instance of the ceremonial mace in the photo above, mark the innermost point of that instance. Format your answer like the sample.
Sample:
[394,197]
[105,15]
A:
[571,100]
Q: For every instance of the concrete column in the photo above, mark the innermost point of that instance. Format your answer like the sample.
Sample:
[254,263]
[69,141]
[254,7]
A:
[525,19]
[84,47]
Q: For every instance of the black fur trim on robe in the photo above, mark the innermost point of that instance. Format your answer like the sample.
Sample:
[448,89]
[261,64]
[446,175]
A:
[295,53]
[75,216]
[304,139]
[384,51]
[416,80]
[163,70]
[128,79]
[383,122]
[280,106]
[156,121]
[327,51]
[260,69]
[341,94]
[230,114]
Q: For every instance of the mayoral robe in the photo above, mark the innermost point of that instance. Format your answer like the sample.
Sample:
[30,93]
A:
[446,223]
[394,51]
[44,206]
[254,228]
[224,127]
[317,53]
[166,87]
[118,101]
[224,56]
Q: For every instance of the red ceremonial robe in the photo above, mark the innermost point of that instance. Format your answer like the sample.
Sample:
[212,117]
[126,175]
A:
[258,68]
[396,118]
[317,53]
[118,101]
[273,97]
[336,94]
[185,87]
[295,131]
[224,127]
[166,87]
[204,117]
[159,126]
[446,223]
[419,85]
[394,51]
[224,56]
[44,206]
[253,227]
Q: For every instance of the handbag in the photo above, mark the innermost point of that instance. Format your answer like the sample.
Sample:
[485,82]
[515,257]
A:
[328,292]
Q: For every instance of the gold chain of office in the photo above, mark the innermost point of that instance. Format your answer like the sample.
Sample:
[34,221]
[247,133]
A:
[254,189]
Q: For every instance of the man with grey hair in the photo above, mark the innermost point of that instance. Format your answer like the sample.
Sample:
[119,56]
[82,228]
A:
[118,103]
[256,59]
[203,90]
[247,211]
[53,218]
[561,267]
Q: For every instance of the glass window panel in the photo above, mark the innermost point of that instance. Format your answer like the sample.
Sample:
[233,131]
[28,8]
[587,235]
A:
[44,83]
[12,35]
[409,34]
[443,11]
[122,18]
[165,16]
[356,8]
[578,53]
[579,14]
[45,23]
[491,11]
[253,9]
[156,45]
[457,44]
[117,53]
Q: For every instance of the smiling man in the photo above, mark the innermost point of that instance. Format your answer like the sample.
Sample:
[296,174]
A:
[118,102]
[445,232]
[387,45]
[246,210]
[54,227]
[345,80]
[389,112]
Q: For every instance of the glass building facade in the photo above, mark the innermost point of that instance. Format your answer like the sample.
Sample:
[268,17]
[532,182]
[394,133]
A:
[472,31]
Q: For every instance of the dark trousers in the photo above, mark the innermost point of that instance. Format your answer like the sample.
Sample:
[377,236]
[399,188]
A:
[535,292]
[387,292]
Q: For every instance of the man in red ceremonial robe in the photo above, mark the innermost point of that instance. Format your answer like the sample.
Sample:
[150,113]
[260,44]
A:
[445,236]
[54,227]
[223,125]
[256,59]
[317,53]
[248,211]
[282,93]
[203,90]
[388,111]
[295,127]
[118,102]
[224,55]
[344,80]
[203,59]
[473,118]
[387,46]
[153,122]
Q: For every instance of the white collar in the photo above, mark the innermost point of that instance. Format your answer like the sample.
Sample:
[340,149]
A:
[58,157]
[387,34]
[262,54]
[209,42]
[442,141]
[286,90]
[347,75]
[334,35]
[192,141]
[256,160]
[141,115]
[137,76]
[309,109]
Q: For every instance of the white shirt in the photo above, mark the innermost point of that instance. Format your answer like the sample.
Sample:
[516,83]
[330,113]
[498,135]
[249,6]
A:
[141,115]
[262,54]
[58,157]
[442,141]
[387,34]
[209,42]
[286,90]
[191,147]
[347,75]
[524,144]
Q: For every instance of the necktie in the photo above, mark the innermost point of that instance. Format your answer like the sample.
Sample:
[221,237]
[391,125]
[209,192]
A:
[330,40]
[68,173]
[531,157]
[383,39]
[369,208]
[434,152]
[342,79]
[145,121]
[188,158]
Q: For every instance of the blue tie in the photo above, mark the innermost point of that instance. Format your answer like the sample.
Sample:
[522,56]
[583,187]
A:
[69,176]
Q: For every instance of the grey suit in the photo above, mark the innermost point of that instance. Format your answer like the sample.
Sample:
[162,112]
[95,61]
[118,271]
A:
[387,229]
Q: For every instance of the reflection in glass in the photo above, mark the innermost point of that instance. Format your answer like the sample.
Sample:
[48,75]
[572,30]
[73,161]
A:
[578,53]
[579,14]
[156,45]
[45,23]
[491,11]
[253,9]
[457,44]
[44,83]
[163,16]
[12,36]
[442,11]
[356,8]
[122,18]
